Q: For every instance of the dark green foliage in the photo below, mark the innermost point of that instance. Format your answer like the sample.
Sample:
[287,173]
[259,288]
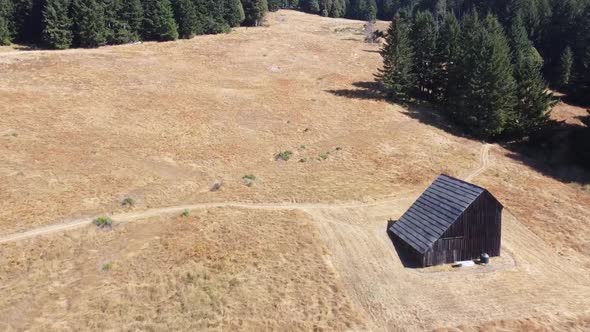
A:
[362,9]
[159,21]
[423,39]
[445,57]
[88,23]
[185,14]
[254,11]
[533,100]
[274,5]
[234,12]
[4,32]
[28,20]
[310,6]
[7,23]
[580,87]
[57,25]
[483,95]
[123,20]
[566,63]
[397,76]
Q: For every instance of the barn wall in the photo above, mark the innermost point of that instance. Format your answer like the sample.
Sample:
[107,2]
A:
[478,230]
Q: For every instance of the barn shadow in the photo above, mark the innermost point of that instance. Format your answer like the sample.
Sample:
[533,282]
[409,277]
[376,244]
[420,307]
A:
[405,259]
[558,152]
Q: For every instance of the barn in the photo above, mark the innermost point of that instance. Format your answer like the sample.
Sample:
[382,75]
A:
[451,221]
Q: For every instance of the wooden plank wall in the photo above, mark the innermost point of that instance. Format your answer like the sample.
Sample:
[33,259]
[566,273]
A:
[477,231]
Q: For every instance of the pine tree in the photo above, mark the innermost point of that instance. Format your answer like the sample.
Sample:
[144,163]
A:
[274,5]
[565,68]
[484,94]
[254,11]
[57,25]
[338,8]
[159,21]
[533,100]
[581,76]
[311,6]
[396,74]
[28,21]
[4,32]
[423,38]
[88,23]
[186,17]
[123,20]
[234,12]
[7,24]
[445,59]
[212,17]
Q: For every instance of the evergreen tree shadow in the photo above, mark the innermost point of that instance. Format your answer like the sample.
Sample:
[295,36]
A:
[561,151]
[364,90]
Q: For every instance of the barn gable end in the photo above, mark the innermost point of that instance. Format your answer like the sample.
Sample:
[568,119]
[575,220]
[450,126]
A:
[452,220]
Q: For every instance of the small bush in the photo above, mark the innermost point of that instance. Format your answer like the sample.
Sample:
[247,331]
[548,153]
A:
[128,202]
[103,222]
[285,155]
[107,266]
[324,156]
[186,213]
[249,179]
[302,160]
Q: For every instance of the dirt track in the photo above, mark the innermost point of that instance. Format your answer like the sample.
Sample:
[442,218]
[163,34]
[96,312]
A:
[174,210]
[82,129]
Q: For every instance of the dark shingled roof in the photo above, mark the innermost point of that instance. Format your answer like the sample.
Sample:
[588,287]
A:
[435,211]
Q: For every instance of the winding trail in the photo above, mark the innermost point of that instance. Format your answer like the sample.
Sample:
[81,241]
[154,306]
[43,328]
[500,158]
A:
[172,210]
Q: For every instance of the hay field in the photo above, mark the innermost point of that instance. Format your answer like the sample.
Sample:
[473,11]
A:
[161,122]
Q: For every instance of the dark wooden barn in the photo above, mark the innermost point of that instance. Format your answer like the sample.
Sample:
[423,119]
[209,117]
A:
[451,221]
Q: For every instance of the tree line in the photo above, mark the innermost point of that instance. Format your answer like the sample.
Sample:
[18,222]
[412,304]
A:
[487,72]
[61,24]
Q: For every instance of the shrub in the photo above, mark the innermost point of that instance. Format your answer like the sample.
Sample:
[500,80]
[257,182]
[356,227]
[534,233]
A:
[128,202]
[185,213]
[285,155]
[249,179]
[107,266]
[103,222]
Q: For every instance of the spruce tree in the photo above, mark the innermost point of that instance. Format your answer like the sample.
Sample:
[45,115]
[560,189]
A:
[581,76]
[445,58]
[566,62]
[396,75]
[88,23]
[254,11]
[533,100]
[57,25]
[124,20]
[338,8]
[484,94]
[159,21]
[4,32]
[186,17]
[7,24]
[234,12]
[311,6]
[423,38]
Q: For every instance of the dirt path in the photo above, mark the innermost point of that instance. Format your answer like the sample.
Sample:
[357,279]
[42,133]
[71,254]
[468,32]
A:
[137,215]
[484,160]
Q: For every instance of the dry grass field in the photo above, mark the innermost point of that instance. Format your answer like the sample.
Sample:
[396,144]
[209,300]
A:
[304,247]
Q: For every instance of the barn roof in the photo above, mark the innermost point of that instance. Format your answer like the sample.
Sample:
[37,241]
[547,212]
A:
[435,211]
